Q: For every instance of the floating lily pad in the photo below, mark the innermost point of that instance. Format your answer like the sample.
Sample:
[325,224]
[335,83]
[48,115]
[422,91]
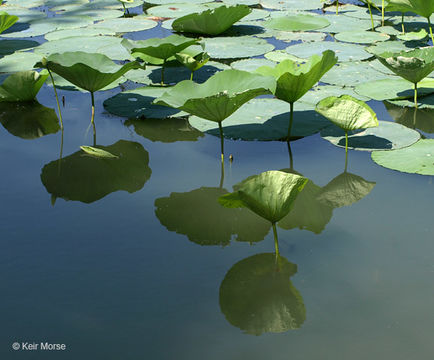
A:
[389,30]
[236,47]
[394,88]
[345,52]
[413,36]
[361,37]
[19,61]
[179,9]
[292,4]
[421,118]
[281,55]
[166,130]
[386,136]
[426,102]
[95,13]
[137,103]
[265,119]
[289,36]
[28,120]
[126,25]
[86,178]
[339,23]
[86,31]
[301,22]
[257,296]
[391,46]
[415,159]
[318,93]
[199,216]
[251,64]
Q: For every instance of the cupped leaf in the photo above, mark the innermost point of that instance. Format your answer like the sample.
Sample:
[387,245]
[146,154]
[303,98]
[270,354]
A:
[192,59]
[415,159]
[211,22]
[347,112]
[295,79]
[87,178]
[160,48]
[257,296]
[28,120]
[270,194]
[22,86]
[413,65]
[6,21]
[91,72]
[220,96]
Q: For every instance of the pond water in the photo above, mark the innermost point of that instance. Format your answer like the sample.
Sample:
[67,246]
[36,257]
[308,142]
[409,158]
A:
[161,272]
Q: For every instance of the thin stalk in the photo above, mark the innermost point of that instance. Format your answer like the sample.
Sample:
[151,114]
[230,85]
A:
[57,99]
[222,142]
[61,153]
[276,241]
[372,19]
[191,76]
[430,30]
[291,118]
[402,24]
[414,118]
[337,7]
[291,160]
[415,95]
[92,118]
[382,13]
[125,10]
[346,150]
[162,72]
[222,176]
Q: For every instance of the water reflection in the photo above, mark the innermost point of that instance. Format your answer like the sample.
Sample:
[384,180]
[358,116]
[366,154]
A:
[258,297]
[28,120]
[422,119]
[165,130]
[199,216]
[86,178]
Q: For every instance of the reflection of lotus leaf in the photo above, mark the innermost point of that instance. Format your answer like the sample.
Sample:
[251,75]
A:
[257,296]
[422,119]
[199,216]
[344,190]
[28,120]
[22,86]
[87,178]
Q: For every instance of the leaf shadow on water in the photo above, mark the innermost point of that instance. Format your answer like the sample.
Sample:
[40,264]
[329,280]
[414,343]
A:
[178,73]
[421,118]
[257,296]
[85,178]
[8,47]
[367,141]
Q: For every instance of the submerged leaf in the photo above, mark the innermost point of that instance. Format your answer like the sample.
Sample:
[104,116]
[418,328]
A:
[98,153]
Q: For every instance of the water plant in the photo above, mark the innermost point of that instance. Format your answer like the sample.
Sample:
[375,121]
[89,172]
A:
[88,71]
[270,195]
[413,65]
[159,49]
[6,20]
[371,3]
[192,59]
[220,96]
[211,22]
[123,2]
[295,79]
[22,86]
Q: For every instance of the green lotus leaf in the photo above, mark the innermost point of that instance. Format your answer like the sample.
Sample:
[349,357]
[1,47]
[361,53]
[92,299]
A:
[299,22]
[361,37]
[424,8]
[294,79]
[347,112]
[6,21]
[198,215]
[258,297]
[220,96]
[413,36]
[386,136]
[192,60]
[345,190]
[160,48]
[415,159]
[211,22]
[270,194]
[236,47]
[28,120]
[87,178]
[22,86]
[413,65]
[91,72]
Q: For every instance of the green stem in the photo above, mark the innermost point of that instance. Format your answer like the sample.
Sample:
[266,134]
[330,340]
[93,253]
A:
[221,141]
[125,9]
[415,95]
[291,160]
[372,19]
[276,241]
[92,118]
[430,30]
[191,76]
[57,99]
[402,24]
[346,150]
[382,13]
[222,175]
[337,7]
[291,118]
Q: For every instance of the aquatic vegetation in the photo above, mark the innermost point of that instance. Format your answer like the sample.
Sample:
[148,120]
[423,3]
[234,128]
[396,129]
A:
[212,21]
[294,79]
[297,22]
[219,97]
[270,195]
[372,3]
[123,2]
[192,59]
[22,86]
[257,296]
[347,113]
[6,20]
[413,65]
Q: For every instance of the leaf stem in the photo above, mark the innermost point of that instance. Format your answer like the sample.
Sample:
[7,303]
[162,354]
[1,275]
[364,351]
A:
[346,150]
[402,24]
[191,76]
[221,141]
[276,241]
[291,160]
[291,118]
[430,30]
[57,99]
[382,13]
[372,19]
[415,95]
[337,7]
[222,175]
[92,118]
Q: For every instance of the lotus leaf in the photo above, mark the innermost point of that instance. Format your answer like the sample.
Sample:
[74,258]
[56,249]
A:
[251,64]
[6,20]
[292,4]
[86,178]
[8,47]
[226,47]
[98,153]
[299,22]
[415,159]
[192,60]
[413,36]
[22,86]
[361,37]
[170,10]
[257,296]
[344,23]
[211,22]
[198,215]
